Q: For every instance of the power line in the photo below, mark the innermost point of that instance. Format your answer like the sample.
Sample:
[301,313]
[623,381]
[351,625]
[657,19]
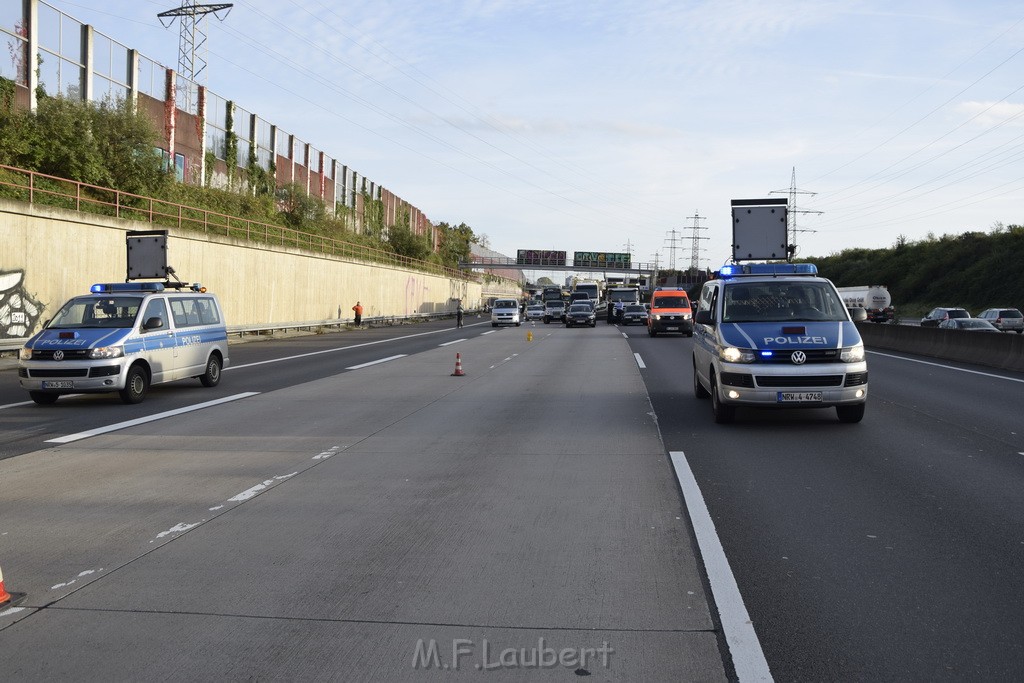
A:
[791,213]
[192,47]
[695,239]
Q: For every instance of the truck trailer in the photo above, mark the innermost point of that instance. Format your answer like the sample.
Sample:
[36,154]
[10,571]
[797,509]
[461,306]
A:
[875,299]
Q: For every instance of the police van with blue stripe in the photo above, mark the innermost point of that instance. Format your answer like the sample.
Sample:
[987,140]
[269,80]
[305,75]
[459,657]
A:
[125,337]
[776,335]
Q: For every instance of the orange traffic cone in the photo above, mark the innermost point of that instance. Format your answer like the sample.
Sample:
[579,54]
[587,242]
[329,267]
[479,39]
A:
[458,366]
[8,599]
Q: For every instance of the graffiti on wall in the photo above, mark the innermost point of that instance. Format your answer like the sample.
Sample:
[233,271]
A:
[415,294]
[19,312]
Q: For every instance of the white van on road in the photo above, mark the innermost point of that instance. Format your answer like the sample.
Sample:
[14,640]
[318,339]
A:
[775,335]
[124,337]
[505,312]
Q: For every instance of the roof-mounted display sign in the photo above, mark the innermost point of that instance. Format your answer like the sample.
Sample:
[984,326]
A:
[759,229]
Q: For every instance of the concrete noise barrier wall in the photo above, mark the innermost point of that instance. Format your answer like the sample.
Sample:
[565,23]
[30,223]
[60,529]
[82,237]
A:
[1002,350]
[49,255]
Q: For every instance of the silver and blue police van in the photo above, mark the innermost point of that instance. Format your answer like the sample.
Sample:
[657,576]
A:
[125,337]
[775,335]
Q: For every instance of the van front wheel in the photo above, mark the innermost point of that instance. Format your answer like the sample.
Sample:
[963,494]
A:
[135,385]
[698,389]
[850,414]
[723,414]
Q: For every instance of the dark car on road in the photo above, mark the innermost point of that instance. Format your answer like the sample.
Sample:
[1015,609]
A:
[969,324]
[937,315]
[580,314]
[634,313]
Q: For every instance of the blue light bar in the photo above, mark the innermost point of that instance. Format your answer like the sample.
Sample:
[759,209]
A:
[736,269]
[106,287]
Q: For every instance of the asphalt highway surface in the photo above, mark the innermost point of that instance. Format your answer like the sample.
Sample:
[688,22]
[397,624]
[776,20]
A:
[340,507]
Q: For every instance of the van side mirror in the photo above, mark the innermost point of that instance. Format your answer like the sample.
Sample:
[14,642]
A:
[858,314]
[704,318]
[153,323]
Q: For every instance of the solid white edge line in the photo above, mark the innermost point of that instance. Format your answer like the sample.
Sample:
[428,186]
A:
[454,342]
[15,405]
[639,361]
[744,647]
[375,362]
[947,367]
[150,418]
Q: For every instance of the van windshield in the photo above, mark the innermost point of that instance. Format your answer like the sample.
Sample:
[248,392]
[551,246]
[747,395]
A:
[671,302]
[119,311]
[781,302]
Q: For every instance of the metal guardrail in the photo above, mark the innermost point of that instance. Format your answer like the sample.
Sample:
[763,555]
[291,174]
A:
[15,343]
[375,321]
[12,344]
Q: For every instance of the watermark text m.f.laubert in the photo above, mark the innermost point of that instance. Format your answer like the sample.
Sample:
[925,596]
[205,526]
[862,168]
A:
[484,655]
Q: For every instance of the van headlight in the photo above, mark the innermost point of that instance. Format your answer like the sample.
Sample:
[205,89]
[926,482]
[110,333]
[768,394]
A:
[107,352]
[852,354]
[730,354]
[24,353]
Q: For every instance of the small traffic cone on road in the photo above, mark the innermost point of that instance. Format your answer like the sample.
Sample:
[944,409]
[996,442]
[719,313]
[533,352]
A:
[458,366]
[8,599]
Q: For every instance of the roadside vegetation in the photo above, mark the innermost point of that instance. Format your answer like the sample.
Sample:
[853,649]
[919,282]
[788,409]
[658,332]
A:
[108,145]
[975,270]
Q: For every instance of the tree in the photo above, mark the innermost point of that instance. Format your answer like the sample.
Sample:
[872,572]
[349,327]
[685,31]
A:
[407,243]
[455,243]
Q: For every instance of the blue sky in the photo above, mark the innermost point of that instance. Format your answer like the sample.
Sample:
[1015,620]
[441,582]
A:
[590,125]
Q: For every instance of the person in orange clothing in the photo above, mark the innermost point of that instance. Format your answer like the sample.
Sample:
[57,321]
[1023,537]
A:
[358,308]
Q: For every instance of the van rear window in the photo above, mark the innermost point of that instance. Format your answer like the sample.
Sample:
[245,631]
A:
[192,311]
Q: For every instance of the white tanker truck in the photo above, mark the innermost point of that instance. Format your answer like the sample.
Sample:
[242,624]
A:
[875,299]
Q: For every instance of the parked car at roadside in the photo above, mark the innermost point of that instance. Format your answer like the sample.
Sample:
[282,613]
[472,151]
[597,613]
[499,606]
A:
[1004,319]
[937,315]
[969,324]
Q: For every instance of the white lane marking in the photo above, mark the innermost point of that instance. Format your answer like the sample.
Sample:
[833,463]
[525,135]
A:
[454,342]
[747,656]
[340,348]
[150,418]
[28,403]
[639,361]
[375,362]
[250,492]
[625,336]
[87,572]
[488,332]
[948,367]
[15,405]
[178,528]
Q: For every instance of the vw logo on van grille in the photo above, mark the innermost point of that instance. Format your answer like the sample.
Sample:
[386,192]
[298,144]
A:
[798,358]
[58,355]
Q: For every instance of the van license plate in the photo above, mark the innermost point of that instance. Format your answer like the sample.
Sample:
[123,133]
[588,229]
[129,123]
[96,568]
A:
[799,396]
[671,329]
[58,385]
